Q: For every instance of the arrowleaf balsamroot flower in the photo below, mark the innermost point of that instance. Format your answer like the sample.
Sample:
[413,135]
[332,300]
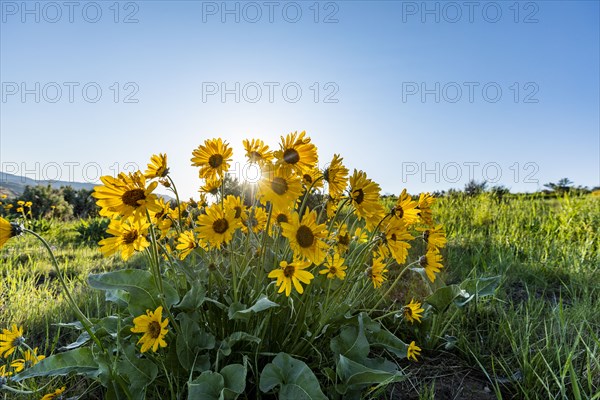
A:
[218,225]
[279,187]
[306,236]
[57,394]
[213,158]
[291,274]
[396,239]
[413,351]
[435,238]
[257,151]
[297,153]
[413,311]
[336,176]
[424,205]
[154,329]
[186,243]
[29,359]
[364,194]
[376,270]
[334,267]
[432,262]
[406,209]
[129,236]
[10,339]
[157,167]
[8,230]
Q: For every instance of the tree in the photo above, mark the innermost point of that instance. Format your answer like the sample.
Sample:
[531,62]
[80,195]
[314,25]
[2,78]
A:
[564,185]
[47,202]
[474,188]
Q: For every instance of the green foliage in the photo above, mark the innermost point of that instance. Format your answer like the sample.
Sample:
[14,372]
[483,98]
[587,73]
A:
[91,231]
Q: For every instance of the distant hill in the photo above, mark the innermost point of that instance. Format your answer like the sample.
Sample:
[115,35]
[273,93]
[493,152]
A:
[14,185]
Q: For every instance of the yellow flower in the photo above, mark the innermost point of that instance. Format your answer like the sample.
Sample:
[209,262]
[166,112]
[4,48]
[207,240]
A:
[291,274]
[413,351]
[424,205]
[364,194]
[29,359]
[4,373]
[334,267]
[255,219]
[376,271]
[413,311]
[10,339]
[397,238]
[313,178]
[257,151]
[218,225]
[406,208]
[126,195]
[342,238]
[336,176]
[431,261]
[213,158]
[186,244]
[157,167]
[8,230]
[4,196]
[54,395]
[297,153]
[235,203]
[305,237]
[279,217]
[28,204]
[331,206]
[163,218]
[360,236]
[20,203]
[129,236]
[153,328]
[211,186]
[434,237]
[279,187]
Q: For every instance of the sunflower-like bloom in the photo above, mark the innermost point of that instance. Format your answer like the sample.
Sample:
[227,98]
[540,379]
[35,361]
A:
[306,236]
[334,267]
[376,271]
[157,168]
[164,217]
[279,217]
[10,339]
[257,151]
[397,238]
[4,373]
[154,329]
[126,195]
[213,158]
[211,186]
[254,219]
[292,274]
[313,178]
[128,236]
[432,262]
[8,230]
[406,208]
[218,225]
[235,203]
[30,358]
[434,237]
[279,187]
[424,205]
[186,243]
[297,153]
[413,311]
[336,176]
[54,395]
[342,238]
[331,206]
[413,351]
[364,194]
[360,236]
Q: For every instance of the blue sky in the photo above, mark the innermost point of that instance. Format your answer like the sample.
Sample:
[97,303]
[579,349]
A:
[419,95]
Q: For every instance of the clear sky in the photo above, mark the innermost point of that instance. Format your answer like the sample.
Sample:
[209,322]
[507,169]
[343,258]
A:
[422,95]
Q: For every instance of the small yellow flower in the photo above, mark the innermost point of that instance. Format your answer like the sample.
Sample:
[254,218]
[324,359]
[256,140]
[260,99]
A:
[211,186]
[213,158]
[292,274]
[413,351]
[218,225]
[254,219]
[28,204]
[20,203]
[29,359]
[397,238]
[432,262]
[435,238]
[10,339]
[186,244]
[128,237]
[297,153]
[413,311]
[406,208]
[154,329]
[8,230]
[334,267]
[305,236]
[257,151]
[4,373]
[336,176]
[54,395]
[157,167]
[235,203]
[364,195]
[376,271]
[424,205]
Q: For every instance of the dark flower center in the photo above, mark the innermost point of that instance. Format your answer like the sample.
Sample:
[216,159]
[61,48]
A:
[326,174]
[358,195]
[399,211]
[282,218]
[238,211]
[215,160]
[289,270]
[423,261]
[131,197]
[307,178]
[291,156]
[279,185]
[408,312]
[255,156]
[130,236]
[344,239]
[333,270]
[426,236]
[221,225]
[304,236]
[154,329]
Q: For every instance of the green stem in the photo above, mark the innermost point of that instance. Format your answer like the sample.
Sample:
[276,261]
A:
[392,286]
[80,315]
[178,202]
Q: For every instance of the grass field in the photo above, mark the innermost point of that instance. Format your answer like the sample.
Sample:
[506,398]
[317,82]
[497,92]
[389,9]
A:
[538,338]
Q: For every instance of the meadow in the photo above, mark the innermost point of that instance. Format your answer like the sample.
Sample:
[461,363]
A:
[537,337]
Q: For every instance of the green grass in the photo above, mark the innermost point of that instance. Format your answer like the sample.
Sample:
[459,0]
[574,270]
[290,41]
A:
[539,338]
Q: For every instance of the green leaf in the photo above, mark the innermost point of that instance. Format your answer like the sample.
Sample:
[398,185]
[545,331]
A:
[193,299]
[140,372]
[388,340]
[478,287]
[80,361]
[231,340]
[235,380]
[239,310]
[295,380]
[208,386]
[352,341]
[139,284]
[444,296]
[191,342]
[355,377]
